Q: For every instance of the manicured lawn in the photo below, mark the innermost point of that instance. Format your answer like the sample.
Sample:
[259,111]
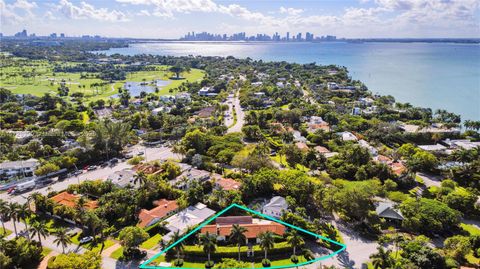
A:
[283,161]
[151,242]
[95,247]
[2,231]
[471,229]
[117,253]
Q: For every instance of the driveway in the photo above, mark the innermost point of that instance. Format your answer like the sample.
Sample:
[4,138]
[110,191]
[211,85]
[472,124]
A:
[358,250]
[430,180]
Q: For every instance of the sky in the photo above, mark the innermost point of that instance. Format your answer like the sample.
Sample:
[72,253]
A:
[174,18]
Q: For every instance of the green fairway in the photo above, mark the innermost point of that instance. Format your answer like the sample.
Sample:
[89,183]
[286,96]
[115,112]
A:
[37,78]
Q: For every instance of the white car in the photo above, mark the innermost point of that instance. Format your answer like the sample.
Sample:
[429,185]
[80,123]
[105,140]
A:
[86,239]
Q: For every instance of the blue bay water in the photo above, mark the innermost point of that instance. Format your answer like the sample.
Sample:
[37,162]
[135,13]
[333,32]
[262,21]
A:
[435,75]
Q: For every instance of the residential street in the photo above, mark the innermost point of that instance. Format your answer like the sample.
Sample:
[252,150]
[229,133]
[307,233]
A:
[235,104]
[150,154]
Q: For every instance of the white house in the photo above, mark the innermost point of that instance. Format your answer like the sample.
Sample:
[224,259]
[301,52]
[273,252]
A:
[183,96]
[189,217]
[370,148]
[347,136]
[275,207]
[205,91]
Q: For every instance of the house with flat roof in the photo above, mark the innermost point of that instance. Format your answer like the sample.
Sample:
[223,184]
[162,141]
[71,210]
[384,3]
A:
[275,207]
[123,178]
[164,208]
[206,91]
[433,148]
[189,217]
[20,169]
[254,226]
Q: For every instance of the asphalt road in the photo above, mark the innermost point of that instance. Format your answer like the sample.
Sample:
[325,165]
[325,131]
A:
[150,154]
[235,104]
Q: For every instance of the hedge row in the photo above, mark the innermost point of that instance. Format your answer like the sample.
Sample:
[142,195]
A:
[232,252]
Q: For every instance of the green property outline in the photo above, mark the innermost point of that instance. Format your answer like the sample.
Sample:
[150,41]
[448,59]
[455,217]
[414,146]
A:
[343,246]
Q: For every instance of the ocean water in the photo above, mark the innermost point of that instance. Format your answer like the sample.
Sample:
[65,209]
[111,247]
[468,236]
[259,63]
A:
[435,75]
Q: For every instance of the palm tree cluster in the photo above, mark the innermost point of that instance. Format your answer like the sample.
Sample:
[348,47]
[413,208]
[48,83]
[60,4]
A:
[16,212]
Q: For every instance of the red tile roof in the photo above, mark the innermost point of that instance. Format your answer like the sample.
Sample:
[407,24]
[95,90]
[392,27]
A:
[234,220]
[253,229]
[164,207]
[398,168]
[302,146]
[70,200]
[147,169]
[228,184]
[321,149]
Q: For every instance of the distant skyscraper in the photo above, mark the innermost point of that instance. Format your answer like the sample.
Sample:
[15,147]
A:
[22,34]
[53,35]
[62,35]
[288,36]
[299,37]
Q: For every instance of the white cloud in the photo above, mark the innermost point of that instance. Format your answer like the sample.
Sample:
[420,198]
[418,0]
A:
[88,11]
[17,12]
[290,11]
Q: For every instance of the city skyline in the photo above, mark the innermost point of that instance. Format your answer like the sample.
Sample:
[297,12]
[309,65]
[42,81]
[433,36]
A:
[171,19]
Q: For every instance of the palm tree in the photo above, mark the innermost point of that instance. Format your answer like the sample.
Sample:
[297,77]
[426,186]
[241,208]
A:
[62,238]
[266,241]
[38,228]
[179,244]
[140,178]
[23,214]
[237,235]
[209,243]
[13,213]
[4,214]
[381,259]
[295,240]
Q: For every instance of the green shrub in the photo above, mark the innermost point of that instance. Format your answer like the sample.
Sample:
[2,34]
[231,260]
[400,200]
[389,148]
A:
[266,263]
[209,264]
[294,259]
[451,263]
[178,263]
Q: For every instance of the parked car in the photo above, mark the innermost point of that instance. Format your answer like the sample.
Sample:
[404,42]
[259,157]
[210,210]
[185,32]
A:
[140,153]
[76,173]
[104,164]
[86,239]
[91,168]
[11,190]
[114,161]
